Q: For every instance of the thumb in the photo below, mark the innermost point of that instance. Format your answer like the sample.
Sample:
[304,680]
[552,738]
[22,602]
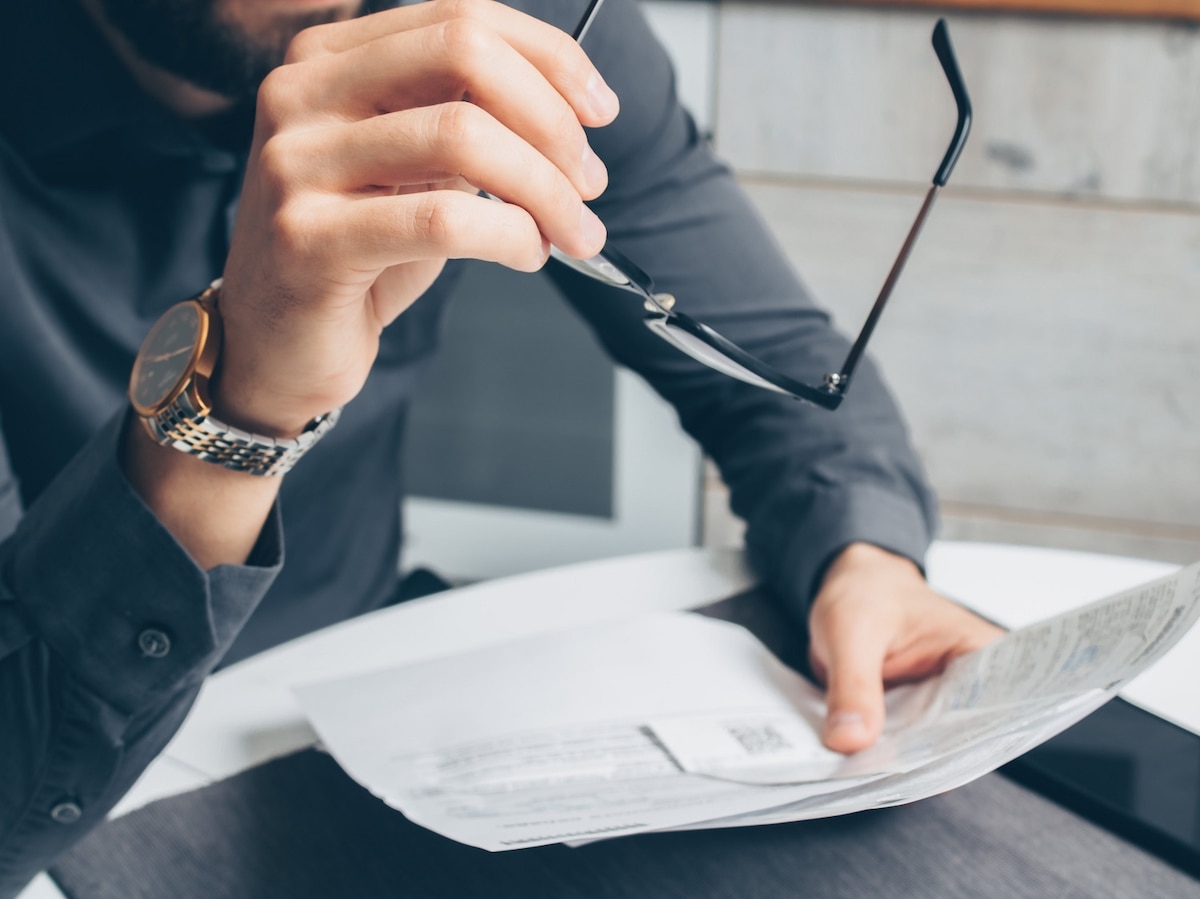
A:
[854,695]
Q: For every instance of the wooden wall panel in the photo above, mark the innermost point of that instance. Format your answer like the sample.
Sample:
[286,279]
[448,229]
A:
[1047,354]
[1067,107]
[1140,9]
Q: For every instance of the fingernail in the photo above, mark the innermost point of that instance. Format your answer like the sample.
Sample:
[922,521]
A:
[845,723]
[594,232]
[594,171]
[600,95]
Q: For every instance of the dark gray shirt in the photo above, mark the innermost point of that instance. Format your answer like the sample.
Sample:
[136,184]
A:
[111,210]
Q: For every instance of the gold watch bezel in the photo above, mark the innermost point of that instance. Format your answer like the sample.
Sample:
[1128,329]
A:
[202,362]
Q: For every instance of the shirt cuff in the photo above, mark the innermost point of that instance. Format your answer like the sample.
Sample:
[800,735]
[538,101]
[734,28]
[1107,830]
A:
[826,524]
[115,596]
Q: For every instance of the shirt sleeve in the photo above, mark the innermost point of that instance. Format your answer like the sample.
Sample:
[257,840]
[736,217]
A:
[807,481]
[107,628]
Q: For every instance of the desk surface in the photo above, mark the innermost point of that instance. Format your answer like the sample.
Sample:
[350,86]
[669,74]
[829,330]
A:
[246,714]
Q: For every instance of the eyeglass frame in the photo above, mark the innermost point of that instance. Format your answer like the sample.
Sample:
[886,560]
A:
[612,267]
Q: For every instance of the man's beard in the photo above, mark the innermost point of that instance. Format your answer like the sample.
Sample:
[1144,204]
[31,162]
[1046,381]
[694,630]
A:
[187,39]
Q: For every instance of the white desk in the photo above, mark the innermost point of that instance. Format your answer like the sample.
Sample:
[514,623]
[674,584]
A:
[246,714]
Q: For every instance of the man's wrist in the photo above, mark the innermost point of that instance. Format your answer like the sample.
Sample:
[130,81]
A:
[244,397]
[858,557]
[174,388]
[248,411]
[215,513]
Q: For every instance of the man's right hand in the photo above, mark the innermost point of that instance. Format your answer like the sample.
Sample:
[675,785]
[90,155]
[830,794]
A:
[363,180]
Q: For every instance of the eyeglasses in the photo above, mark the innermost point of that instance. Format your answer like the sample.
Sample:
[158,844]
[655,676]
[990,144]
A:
[704,344]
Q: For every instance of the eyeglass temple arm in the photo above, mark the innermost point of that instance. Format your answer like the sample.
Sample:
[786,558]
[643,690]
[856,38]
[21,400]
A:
[585,21]
[945,53]
[841,380]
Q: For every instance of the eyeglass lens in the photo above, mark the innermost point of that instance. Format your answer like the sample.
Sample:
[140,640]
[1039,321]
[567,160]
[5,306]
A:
[597,267]
[704,353]
[611,267]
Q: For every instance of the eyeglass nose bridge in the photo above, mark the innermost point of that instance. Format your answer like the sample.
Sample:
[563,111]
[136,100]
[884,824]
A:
[714,351]
[611,267]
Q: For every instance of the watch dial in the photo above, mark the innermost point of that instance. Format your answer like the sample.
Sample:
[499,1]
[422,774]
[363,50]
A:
[165,356]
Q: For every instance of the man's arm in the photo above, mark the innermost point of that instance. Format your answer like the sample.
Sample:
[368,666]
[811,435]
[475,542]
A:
[362,180]
[838,509]
[107,628]
[215,514]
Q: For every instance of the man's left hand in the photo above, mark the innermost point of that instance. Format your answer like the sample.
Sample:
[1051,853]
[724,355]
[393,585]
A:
[876,623]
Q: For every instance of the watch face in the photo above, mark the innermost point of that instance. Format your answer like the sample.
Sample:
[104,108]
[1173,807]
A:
[166,358]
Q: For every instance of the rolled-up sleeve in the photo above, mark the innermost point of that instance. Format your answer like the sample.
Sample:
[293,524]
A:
[808,482]
[107,628]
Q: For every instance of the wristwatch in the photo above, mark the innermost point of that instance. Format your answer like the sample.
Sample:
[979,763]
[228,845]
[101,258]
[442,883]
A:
[169,390]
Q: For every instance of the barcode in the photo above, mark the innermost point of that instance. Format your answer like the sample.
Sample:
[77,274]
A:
[758,739]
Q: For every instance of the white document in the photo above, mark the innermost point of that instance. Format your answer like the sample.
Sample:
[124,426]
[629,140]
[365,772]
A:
[544,740]
[675,721]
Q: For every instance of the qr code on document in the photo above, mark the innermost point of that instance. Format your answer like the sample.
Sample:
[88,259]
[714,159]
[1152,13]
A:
[758,739]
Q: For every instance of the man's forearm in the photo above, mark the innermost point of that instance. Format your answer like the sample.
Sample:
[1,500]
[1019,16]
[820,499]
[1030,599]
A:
[107,628]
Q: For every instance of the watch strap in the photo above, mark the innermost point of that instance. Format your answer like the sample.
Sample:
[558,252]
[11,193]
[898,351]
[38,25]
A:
[188,429]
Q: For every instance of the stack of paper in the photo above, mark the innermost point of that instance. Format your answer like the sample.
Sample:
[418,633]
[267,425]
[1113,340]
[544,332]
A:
[675,721]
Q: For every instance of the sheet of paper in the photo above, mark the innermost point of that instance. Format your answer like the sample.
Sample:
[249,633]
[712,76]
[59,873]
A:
[1045,582]
[998,695]
[1104,644]
[673,720]
[946,773]
[544,740]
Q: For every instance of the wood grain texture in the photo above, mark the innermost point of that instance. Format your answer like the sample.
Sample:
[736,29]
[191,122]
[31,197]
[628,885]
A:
[1141,9]
[1066,107]
[1047,354]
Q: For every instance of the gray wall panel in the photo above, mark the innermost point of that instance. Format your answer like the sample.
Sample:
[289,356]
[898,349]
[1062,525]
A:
[1048,355]
[1078,106]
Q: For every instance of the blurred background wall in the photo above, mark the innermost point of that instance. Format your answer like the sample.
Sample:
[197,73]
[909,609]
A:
[1044,341]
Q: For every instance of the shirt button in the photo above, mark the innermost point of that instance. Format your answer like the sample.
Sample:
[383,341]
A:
[153,643]
[66,812]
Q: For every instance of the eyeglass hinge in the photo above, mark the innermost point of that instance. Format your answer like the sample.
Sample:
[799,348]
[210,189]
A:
[659,303]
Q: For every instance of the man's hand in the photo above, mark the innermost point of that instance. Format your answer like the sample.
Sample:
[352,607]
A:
[363,180]
[875,623]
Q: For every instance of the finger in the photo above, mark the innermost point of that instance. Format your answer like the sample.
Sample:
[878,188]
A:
[379,232]
[815,666]
[338,37]
[854,690]
[436,66]
[978,634]
[435,145]
[943,632]
[559,58]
